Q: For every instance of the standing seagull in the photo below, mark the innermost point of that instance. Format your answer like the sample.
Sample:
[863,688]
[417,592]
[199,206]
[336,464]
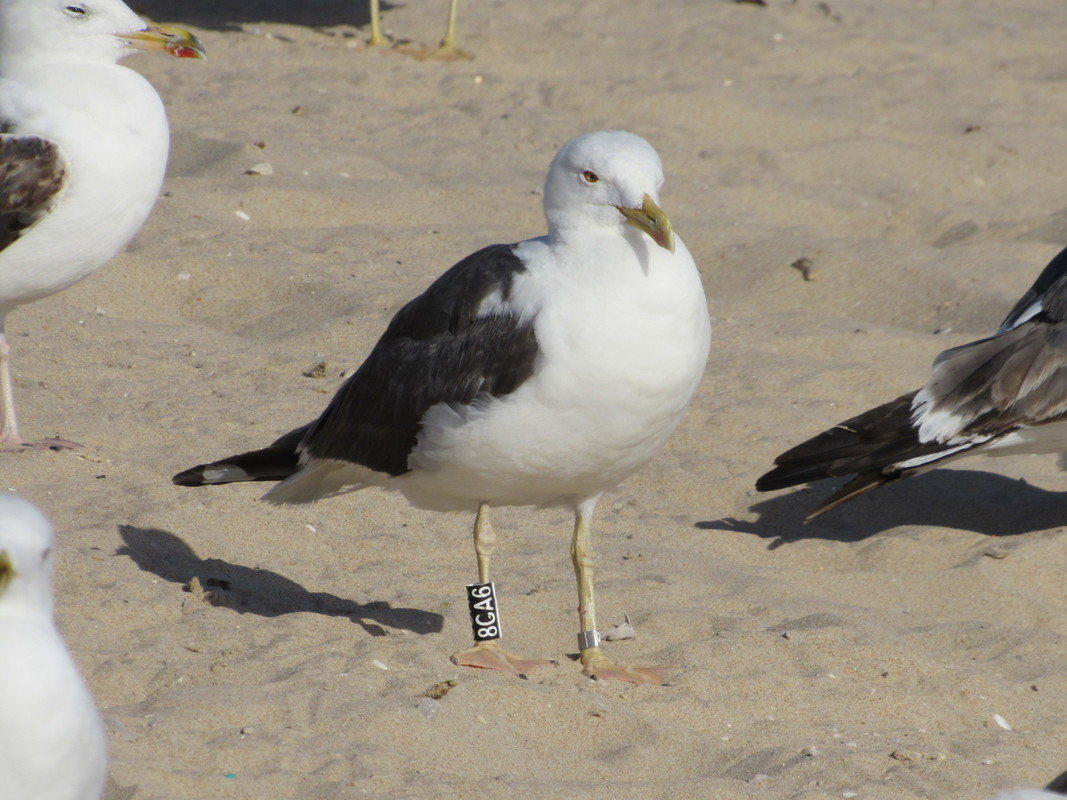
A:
[83,148]
[541,373]
[1002,395]
[52,744]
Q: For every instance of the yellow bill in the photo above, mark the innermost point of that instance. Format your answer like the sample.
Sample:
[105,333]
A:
[650,219]
[176,41]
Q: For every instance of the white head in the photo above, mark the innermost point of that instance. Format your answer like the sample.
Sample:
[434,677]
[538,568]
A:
[608,179]
[81,31]
[26,559]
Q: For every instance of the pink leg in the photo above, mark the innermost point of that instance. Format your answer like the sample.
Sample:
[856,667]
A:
[9,429]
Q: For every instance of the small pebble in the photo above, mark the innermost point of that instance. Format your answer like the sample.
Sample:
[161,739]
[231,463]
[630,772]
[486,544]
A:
[806,267]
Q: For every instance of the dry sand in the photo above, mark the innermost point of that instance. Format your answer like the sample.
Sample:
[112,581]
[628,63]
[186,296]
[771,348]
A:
[911,149]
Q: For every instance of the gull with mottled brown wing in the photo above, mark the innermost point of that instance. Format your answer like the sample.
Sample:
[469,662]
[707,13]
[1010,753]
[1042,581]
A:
[83,148]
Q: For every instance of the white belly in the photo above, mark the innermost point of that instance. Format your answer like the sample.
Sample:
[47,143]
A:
[52,744]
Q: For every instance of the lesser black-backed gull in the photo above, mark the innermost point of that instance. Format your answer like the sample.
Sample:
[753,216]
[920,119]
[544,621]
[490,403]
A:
[541,373]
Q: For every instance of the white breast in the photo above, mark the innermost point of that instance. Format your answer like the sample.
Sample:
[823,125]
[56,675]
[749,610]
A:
[52,744]
[623,352]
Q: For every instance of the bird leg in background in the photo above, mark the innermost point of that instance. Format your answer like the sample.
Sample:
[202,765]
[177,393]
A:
[376,38]
[9,429]
[448,48]
[487,654]
[594,663]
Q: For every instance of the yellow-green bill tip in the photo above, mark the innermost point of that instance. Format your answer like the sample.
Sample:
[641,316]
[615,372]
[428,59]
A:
[650,219]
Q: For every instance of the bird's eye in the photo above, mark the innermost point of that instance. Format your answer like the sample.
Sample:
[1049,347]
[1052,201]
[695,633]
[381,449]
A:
[590,177]
[75,11]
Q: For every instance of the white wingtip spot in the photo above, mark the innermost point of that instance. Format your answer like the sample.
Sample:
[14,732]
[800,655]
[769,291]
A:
[224,474]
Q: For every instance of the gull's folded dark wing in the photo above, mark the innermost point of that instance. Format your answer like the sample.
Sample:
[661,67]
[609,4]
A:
[439,348]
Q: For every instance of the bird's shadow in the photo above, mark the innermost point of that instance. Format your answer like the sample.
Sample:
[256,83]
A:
[223,15]
[983,502]
[249,590]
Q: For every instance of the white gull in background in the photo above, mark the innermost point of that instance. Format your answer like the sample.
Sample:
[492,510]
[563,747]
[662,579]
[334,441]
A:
[83,149]
[541,373]
[52,744]
[1054,791]
[1002,395]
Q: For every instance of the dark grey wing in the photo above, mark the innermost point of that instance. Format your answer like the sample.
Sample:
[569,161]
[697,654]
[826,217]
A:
[32,175]
[437,349]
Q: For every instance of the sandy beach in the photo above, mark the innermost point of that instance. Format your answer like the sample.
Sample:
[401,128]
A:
[910,644]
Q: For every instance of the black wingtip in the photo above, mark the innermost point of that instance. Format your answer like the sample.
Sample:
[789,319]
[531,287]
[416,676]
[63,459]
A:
[785,475]
[190,477]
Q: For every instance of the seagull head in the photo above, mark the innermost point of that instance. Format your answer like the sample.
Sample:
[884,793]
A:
[83,31]
[605,180]
[26,558]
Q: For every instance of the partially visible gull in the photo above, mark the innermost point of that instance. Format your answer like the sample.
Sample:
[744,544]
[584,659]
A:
[1054,791]
[540,373]
[52,744]
[83,148]
[1002,395]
